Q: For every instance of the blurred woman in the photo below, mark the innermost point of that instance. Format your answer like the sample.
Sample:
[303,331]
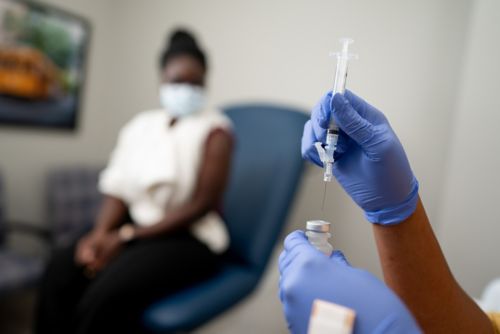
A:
[158,230]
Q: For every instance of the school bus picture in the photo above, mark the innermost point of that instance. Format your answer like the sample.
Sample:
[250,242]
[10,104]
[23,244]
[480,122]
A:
[27,73]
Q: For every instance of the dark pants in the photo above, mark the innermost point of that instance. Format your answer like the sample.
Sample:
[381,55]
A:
[113,301]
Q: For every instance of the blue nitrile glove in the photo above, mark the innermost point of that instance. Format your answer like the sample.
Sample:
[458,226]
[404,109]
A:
[307,274]
[371,164]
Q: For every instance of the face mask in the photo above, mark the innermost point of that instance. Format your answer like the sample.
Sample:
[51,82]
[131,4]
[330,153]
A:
[181,99]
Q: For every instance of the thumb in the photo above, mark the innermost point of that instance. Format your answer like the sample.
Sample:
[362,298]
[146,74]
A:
[339,258]
[348,119]
[296,239]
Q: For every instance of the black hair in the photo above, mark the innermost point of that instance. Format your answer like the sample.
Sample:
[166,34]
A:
[182,42]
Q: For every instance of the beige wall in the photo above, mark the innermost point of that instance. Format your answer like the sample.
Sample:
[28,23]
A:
[410,53]
[470,224]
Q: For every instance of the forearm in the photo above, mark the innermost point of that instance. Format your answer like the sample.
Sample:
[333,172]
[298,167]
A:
[415,268]
[111,214]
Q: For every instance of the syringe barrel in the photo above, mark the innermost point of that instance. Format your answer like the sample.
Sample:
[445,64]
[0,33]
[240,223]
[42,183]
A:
[340,75]
[339,84]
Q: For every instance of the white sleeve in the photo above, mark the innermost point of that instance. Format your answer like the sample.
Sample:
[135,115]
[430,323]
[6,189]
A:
[112,180]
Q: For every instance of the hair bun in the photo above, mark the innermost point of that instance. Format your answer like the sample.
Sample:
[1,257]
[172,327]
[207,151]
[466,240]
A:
[182,42]
[182,39]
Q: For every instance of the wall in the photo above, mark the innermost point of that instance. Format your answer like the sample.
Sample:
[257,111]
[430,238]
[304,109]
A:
[268,51]
[470,226]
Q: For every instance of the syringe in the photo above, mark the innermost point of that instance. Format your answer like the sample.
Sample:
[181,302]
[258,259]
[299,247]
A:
[332,134]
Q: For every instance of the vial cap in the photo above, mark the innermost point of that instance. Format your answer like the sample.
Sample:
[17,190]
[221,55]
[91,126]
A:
[318,226]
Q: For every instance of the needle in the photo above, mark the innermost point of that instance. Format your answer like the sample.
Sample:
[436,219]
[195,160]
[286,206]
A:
[324,196]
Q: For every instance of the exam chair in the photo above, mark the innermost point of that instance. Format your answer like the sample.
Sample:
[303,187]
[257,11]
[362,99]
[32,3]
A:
[266,170]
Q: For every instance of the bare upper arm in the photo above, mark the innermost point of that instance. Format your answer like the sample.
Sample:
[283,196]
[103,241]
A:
[215,167]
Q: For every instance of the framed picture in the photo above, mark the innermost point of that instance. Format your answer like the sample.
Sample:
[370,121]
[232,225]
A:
[42,64]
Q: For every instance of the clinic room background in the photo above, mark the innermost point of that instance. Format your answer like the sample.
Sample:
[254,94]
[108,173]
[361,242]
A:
[432,66]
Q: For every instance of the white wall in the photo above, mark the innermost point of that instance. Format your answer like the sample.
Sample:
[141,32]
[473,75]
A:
[470,223]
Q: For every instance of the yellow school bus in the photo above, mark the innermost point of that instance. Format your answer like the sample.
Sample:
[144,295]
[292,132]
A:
[27,73]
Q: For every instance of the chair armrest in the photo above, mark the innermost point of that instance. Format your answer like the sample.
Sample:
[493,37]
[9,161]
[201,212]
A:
[27,228]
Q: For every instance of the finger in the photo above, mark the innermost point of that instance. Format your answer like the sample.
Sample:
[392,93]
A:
[308,149]
[91,267]
[99,264]
[364,109]
[320,113]
[339,257]
[87,255]
[281,261]
[286,259]
[356,102]
[320,117]
[296,240]
[280,290]
[348,119]
[289,262]
[342,144]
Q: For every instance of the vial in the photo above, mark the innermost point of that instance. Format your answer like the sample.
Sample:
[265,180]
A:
[318,233]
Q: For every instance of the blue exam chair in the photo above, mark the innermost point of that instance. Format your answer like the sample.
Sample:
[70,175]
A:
[265,174]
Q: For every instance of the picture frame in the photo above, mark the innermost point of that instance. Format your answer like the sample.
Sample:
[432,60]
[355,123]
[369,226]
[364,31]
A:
[43,57]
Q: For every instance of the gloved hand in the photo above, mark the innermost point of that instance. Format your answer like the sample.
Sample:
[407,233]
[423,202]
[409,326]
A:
[370,162]
[307,274]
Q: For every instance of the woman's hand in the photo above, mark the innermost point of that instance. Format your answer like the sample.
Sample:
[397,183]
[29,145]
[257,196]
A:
[88,246]
[110,246]
[95,250]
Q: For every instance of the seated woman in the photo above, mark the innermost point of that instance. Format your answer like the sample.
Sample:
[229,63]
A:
[158,230]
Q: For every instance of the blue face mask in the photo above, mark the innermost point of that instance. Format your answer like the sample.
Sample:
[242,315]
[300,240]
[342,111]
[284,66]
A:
[181,100]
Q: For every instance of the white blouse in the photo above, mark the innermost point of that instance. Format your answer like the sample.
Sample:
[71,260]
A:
[154,168]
